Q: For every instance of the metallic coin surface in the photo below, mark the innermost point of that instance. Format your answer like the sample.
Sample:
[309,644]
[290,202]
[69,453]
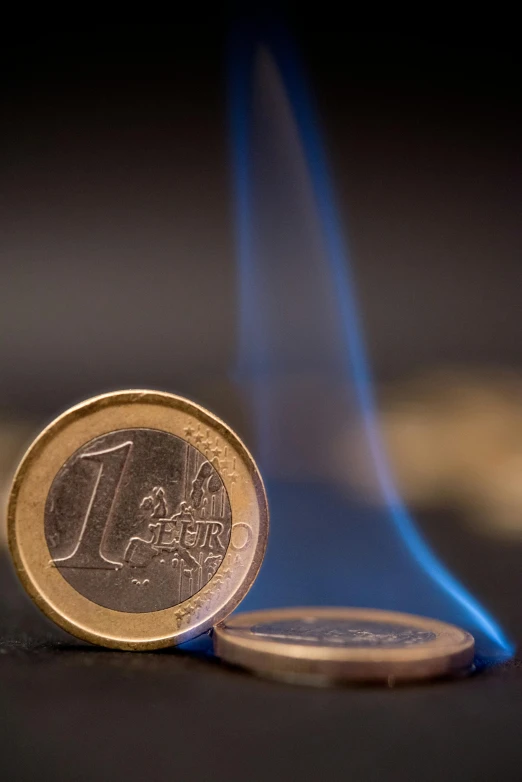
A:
[137,520]
[328,645]
[170,528]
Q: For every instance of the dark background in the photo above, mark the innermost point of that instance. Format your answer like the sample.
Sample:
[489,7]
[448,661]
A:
[117,252]
[117,218]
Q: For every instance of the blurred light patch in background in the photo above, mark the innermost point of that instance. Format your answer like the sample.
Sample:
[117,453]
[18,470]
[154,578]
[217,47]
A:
[302,364]
[454,438]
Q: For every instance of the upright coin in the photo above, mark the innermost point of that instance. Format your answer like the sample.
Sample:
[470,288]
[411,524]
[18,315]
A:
[137,520]
[328,645]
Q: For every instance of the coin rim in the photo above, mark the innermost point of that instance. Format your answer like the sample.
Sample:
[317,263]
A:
[452,649]
[170,635]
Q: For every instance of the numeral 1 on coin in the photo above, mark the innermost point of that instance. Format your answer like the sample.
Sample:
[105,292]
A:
[88,550]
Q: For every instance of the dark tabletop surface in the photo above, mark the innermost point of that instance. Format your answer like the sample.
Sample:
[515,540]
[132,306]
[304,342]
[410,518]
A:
[71,711]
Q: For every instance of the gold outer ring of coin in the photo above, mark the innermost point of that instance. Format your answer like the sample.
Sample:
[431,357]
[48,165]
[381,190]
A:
[57,598]
[450,652]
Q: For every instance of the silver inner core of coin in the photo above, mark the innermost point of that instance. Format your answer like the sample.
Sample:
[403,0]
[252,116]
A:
[138,520]
[353,633]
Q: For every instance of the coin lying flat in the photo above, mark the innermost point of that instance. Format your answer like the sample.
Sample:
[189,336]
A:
[137,520]
[328,645]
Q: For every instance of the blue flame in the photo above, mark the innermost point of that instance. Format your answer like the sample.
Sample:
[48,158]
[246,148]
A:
[282,51]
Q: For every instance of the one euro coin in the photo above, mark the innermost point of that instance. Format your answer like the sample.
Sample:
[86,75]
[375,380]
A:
[137,520]
[330,645]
